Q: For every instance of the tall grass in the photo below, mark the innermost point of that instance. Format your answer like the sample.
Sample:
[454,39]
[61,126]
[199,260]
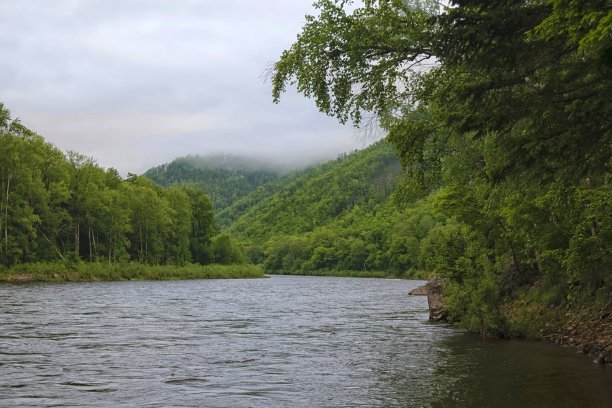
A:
[96,271]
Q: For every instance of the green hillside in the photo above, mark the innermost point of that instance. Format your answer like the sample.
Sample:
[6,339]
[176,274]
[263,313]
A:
[224,178]
[335,218]
[321,194]
[228,215]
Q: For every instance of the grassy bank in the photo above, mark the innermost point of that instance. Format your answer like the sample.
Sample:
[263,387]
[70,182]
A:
[94,272]
[536,312]
[356,274]
[585,327]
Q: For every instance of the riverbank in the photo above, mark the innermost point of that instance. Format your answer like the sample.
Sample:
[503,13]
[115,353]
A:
[355,274]
[99,271]
[358,342]
[587,329]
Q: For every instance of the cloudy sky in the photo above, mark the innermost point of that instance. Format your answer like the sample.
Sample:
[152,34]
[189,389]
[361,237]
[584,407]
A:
[135,83]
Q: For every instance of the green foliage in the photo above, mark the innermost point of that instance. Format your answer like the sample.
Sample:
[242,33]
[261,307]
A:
[508,129]
[354,62]
[336,217]
[181,215]
[66,207]
[202,226]
[227,251]
[319,195]
[227,216]
[225,179]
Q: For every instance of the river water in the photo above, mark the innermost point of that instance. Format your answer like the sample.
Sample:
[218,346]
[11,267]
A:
[278,342]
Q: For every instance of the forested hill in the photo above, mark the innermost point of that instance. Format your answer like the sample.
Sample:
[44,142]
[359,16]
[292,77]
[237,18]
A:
[509,133]
[316,196]
[224,178]
[338,218]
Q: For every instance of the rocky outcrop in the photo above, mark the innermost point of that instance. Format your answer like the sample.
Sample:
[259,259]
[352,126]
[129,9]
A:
[590,334]
[434,287]
[420,291]
[587,330]
[433,290]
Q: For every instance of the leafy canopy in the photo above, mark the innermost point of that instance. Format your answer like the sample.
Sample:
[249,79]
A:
[501,111]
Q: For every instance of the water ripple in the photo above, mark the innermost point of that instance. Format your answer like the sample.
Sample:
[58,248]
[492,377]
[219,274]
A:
[279,342]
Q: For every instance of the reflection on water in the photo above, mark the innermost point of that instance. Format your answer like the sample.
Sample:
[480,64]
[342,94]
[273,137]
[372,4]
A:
[485,373]
[279,342]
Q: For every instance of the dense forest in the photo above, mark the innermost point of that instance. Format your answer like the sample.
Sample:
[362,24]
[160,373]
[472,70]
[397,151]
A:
[500,114]
[320,194]
[224,178]
[334,218]
[64,207]
[337,217]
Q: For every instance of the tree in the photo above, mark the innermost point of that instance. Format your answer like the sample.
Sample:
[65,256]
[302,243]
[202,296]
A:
[115,219]
[226,251]
[22,193]
[150,220]
[499,68]
[501,109]
[181,222]
[66,206]
[202,226]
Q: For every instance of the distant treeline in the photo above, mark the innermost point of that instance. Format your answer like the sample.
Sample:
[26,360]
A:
[224,178]
[56,206]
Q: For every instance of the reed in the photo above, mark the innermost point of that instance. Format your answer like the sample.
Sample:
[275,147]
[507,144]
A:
[99,271]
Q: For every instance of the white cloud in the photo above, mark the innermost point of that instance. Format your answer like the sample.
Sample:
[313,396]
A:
[135,83]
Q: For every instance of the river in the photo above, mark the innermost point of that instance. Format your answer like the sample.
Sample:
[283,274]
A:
[278,342]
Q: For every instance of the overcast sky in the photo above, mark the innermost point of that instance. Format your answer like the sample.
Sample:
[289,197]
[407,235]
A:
[135,83]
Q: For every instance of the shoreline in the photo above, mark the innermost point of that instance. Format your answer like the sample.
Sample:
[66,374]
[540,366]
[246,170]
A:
[353,274]
[104,272]
[584,329]
[588,331]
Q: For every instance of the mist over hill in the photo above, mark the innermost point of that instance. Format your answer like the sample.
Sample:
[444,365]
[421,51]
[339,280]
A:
[336,216]
[224,178]
[229,161]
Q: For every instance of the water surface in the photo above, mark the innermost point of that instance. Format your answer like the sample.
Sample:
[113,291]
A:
[278,342]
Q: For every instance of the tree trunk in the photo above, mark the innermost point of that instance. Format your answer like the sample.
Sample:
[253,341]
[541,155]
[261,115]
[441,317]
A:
[6,220]
[89,236]
[2,209]
[141,243]
[96,240]
[515,259]
[110,245]
[6,205]
[77,237]
[49,241]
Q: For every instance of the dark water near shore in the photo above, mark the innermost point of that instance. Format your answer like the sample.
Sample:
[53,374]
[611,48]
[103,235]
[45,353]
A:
[279,342]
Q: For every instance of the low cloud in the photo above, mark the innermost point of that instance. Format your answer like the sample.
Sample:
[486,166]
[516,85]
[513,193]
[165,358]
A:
[138,83]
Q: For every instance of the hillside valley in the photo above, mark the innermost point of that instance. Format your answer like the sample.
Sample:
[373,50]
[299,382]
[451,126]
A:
[337,217]
[224,178]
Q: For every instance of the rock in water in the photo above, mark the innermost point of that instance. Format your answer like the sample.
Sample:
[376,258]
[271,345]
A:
[420,291]
[437,312]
